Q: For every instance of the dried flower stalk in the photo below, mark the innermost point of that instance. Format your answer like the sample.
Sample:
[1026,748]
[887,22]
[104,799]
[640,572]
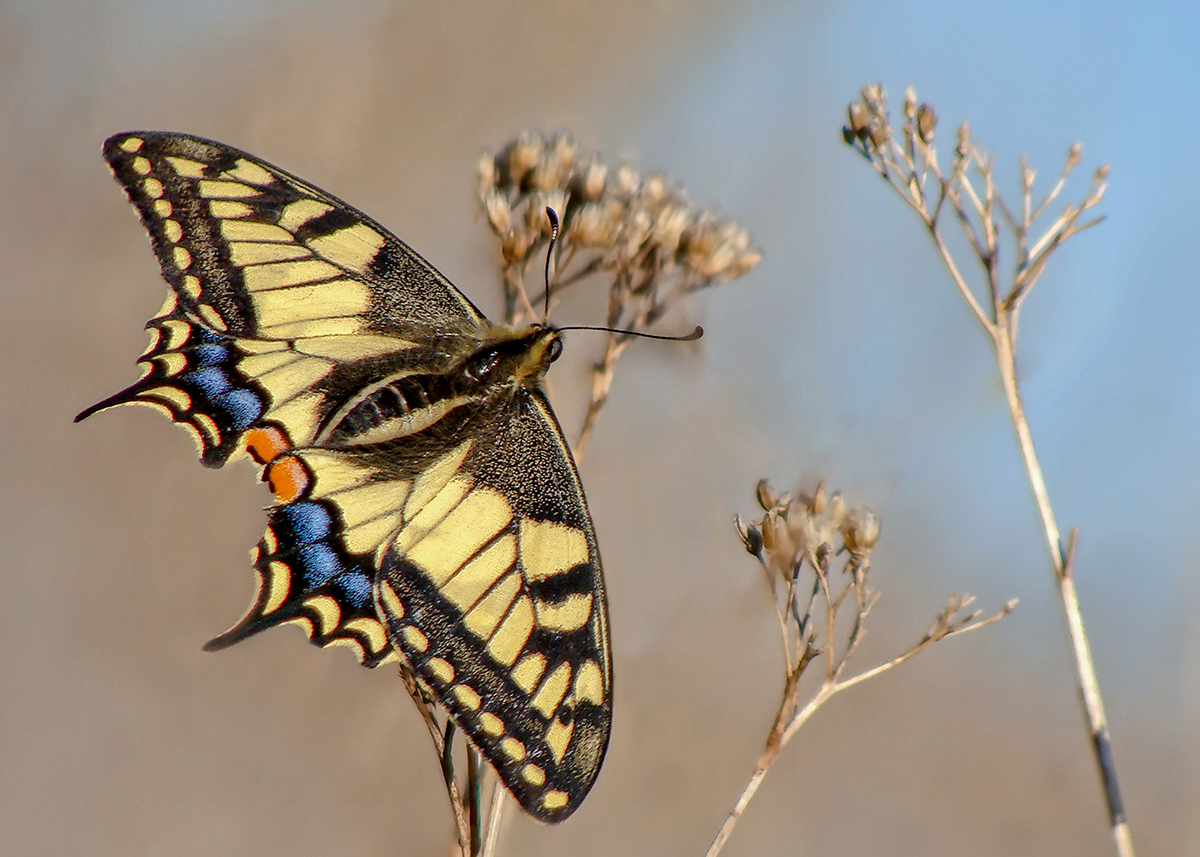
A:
[909,164]
[821,610]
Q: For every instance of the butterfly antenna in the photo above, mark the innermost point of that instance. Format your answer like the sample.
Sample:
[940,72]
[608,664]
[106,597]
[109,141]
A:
[691,337]
[553,215]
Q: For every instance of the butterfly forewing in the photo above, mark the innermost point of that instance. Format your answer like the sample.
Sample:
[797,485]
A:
[424,509]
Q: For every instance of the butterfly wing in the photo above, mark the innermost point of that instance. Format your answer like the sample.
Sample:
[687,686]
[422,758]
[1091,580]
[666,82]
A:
[283,298]
[284,303]
[492,590]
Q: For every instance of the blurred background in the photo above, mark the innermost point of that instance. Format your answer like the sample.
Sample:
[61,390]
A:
[845,356]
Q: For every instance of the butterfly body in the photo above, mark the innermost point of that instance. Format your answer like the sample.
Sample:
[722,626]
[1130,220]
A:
[427,505]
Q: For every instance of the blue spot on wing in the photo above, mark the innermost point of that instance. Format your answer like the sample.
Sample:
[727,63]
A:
[209,354]
[355,587]
[242,408]
[318,563]
[304,523]
[212,381]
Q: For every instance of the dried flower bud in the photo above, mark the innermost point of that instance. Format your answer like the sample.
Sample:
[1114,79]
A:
[1074,155]
[860,532]
[669,226]
[926,123]
[536,220]
[747,263]
[910,103]
[1028,174]
[964,139]
[1102,171]
[591,180]
[767,496]
[654,187]
[881,132]
[778,542]
[499,213]
[858,120]
[523,155]
[750,536]
[817,503]
[595,224]
[627,179]
[515,245]
[486,169]
[875,98]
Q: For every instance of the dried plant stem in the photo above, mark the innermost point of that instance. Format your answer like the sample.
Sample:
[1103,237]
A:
[1063,566]
[1002,333]
[495,815]
[908,166]
[602,378]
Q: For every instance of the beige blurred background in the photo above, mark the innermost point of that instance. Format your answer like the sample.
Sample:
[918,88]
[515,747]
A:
[844,356]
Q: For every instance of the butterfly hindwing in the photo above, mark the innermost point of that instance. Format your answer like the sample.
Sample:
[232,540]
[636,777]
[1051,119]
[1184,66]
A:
[492,591]
[427,506]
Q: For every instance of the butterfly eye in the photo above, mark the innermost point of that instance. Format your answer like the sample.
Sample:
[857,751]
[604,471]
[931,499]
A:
[480,365]
[554,349]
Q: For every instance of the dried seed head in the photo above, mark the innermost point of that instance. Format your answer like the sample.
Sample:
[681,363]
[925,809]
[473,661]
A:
[1102,171]
[595,225]
[590,180]
[627,180]
[964,139]
[499,213]
[858,120]
[926,123]
[768,497]
[860,532]
[522,155]
[750,535]
[1028,174]
[1074,155]
[643,230]
[486,168]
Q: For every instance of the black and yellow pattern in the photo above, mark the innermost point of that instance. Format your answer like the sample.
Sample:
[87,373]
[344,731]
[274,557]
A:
[427,505]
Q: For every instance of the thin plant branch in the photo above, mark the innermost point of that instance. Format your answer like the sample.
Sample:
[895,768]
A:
[869,132]
[803,535]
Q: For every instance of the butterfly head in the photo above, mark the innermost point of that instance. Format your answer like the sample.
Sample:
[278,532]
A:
[521,355]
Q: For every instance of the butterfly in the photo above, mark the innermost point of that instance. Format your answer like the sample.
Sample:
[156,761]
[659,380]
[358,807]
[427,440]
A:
[427,506]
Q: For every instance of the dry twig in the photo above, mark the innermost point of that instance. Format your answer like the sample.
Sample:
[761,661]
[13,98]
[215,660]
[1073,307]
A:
[821,612]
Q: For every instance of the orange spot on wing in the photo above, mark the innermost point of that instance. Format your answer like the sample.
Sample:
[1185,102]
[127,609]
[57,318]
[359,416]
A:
[288,478]
[267,443]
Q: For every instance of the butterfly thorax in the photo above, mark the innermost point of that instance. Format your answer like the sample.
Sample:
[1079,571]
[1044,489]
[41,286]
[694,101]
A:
[503,365]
